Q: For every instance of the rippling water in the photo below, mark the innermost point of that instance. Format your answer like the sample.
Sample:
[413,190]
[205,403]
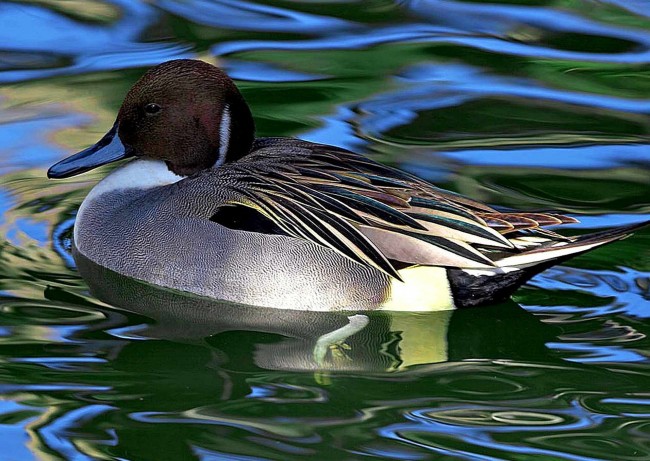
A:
[531,104]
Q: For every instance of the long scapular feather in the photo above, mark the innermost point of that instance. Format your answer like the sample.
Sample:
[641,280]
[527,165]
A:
[352,180]
[383,181]
[315,173]
[315,224]
[486,235]
[276,215]
[327,202]
[369,250]
[439,205]
[372,206]
[455,246]
[413,250]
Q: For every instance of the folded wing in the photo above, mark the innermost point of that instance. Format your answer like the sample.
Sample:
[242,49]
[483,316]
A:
[377,215]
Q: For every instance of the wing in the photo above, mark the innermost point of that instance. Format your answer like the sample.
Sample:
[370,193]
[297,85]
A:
[372,213]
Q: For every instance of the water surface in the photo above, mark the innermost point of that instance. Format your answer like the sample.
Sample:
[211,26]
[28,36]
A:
[531,104]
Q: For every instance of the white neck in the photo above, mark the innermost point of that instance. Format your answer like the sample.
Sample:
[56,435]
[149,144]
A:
[141,173]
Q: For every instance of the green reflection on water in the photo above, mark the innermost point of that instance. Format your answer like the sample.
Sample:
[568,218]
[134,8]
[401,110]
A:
[564,376]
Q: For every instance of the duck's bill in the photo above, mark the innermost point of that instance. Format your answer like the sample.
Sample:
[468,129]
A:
[108,149]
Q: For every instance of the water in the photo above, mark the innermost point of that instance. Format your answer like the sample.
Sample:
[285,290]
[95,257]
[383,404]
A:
[536,105]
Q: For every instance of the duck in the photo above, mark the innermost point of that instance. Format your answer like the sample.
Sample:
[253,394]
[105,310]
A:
[203,206]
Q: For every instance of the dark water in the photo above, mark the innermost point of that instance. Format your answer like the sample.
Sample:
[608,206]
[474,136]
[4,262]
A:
[532,104]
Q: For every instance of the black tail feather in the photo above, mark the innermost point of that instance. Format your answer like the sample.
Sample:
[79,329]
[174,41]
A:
[474,288]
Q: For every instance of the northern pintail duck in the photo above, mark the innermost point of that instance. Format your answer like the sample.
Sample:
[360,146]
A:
[205,207]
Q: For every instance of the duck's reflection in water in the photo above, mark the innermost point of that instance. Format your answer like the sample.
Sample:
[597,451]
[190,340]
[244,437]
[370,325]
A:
[250,337]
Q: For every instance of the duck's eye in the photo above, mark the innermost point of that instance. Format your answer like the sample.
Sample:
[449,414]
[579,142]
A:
[152,108]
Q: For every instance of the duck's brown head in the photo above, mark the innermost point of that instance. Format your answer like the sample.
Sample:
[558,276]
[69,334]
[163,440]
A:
[185,112]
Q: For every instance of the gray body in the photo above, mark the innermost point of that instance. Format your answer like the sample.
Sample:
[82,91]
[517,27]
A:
[162,243]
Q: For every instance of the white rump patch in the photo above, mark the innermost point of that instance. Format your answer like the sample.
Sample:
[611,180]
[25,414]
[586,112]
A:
[224,136]
[489,272]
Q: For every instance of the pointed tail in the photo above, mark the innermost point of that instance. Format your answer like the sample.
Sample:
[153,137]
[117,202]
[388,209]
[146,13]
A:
[561,250]
[476,287]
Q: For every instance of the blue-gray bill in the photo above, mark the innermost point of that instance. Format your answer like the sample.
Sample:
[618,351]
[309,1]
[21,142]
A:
[106,150]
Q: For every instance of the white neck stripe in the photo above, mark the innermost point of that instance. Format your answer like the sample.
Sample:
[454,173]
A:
[141,173]
[224,136]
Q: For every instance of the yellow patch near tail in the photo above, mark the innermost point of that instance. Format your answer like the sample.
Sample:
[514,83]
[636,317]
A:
[425,288]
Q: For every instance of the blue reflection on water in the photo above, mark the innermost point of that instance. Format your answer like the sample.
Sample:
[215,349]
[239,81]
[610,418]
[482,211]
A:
[80,47]
[15,438]
[590,352]
[577,157]
[336,129]
[60,363]
[485,27]
[363,38]
[473,81]
[264,72]
[629,298]
[64,46]
[433,87]
[6,203]
[626,401]
[60,431]
[607,220]
[25,142]
[241,15]
[507,18]
[482,437]
[38,231]
[63,245]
